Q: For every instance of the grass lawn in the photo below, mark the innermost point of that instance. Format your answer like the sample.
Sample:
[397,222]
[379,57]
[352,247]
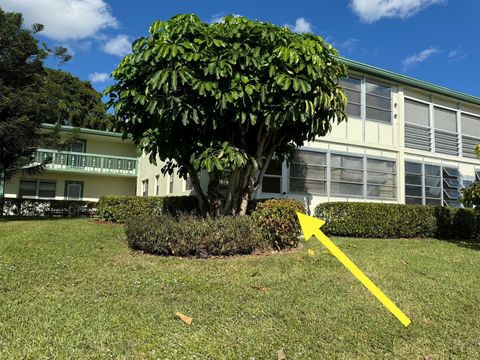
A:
[72,289]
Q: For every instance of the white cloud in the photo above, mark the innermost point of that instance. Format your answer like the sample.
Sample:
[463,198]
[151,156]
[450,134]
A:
[301,26]
[374,10]
[97,77]
[348,45]
[218,18]
[456,54]
[65,19]
[418,58]
[120,45]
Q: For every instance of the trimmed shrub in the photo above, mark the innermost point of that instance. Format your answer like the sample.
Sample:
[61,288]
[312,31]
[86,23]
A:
[373,220]
[187,235]
[458,224]
[119,208]
[277,218]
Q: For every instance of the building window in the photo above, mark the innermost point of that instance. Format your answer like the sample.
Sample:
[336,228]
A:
[423,184]
[381,179]
[157,185]
[470,134]
[353,89]
[145,187]
[451,187]
[367,100]
[346,175]
[79,146]
[73,190]
[38,189]
[379,102]
[272,179]
[446,138]
[417,125]
[170,184]
[308,172]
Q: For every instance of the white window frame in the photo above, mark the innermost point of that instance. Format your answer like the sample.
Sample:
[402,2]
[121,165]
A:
[145,187]
[363,98]
[157,185]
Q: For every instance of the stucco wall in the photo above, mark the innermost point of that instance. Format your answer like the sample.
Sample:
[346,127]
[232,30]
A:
[94,186]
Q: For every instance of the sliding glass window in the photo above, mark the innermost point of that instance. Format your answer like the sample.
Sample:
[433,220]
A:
[308,173]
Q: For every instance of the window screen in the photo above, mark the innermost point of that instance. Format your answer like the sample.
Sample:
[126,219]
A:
[381,178]
[74,191]
[471,135]
[379,104]
[445,120]
[417,113]
[28,188]
[47,189]
[346,175]
[353,90]
[308,172]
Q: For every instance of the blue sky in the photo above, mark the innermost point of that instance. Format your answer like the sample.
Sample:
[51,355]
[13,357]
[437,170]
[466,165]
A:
[432,40]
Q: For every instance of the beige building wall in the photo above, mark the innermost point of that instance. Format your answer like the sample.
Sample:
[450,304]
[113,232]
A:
[94,186]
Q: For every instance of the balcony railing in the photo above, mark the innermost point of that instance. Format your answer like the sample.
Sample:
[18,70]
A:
[87,163]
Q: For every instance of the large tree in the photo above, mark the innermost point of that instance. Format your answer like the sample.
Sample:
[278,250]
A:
[65,99]
[21,71]
[226,98]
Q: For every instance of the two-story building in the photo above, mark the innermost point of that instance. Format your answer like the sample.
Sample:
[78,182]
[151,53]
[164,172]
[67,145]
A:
[406,141]
[98,163]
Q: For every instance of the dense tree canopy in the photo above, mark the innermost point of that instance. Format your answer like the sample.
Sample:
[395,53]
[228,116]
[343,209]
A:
[67,100]
[31,94]
[226,98]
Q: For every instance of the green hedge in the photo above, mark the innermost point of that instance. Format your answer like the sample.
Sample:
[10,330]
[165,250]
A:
[398,221]
[120,208]
[187,235]
[277,218]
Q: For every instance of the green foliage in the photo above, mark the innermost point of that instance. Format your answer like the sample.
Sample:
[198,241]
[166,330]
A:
[377,220]
[21,71]
[44,207]
[65,99]
[225,97]
[457,224]
[471,195]
[277,218]
[120,208]
[193,236]
[396,220]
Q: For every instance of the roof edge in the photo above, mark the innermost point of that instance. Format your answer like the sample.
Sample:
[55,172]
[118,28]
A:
[83,130]
[407,80]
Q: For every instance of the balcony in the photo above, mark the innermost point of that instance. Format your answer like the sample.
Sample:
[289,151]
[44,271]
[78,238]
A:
[87,163]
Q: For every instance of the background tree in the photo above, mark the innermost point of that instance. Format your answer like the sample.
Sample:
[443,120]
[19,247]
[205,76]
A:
[471,194]
[226,98]
[67,100]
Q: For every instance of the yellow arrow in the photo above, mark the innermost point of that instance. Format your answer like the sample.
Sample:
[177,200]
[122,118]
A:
[311,226]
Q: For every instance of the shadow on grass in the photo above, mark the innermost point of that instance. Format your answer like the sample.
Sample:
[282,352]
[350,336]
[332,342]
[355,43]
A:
[471,244]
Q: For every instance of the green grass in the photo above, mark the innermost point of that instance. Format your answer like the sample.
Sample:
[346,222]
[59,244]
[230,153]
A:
[72,289]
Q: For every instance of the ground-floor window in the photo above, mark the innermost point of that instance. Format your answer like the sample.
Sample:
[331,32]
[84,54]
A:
[73,190]
[157,185]
[335,174]
[37,189]
[427,184]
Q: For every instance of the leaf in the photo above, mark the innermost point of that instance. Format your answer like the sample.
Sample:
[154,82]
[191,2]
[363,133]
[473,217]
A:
[259,288]
[310,252]
[186,319]
[281,355]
